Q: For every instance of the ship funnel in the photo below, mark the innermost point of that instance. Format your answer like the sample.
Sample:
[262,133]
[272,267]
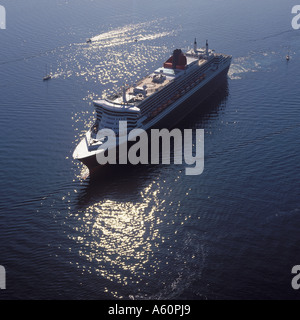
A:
[195,46]
[176,54]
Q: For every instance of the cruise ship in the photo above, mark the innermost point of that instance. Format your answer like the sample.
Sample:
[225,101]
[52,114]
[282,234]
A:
[161,99]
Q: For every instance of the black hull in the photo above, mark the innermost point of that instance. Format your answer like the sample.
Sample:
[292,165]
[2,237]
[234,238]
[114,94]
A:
[175,116]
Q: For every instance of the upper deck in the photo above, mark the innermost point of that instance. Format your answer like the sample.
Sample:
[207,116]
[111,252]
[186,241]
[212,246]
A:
[154,82]
[179,64]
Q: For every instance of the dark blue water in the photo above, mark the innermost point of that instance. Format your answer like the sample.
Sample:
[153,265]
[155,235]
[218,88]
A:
[148,232]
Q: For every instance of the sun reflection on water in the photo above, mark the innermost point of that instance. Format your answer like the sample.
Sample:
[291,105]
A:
[141,248]
[113,55]
[119,237]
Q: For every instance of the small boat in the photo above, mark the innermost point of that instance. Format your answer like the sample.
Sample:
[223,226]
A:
[288,57]
[47,76]
[89,40]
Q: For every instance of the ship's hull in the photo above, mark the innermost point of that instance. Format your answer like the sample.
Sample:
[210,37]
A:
[175,115]
[189,104]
